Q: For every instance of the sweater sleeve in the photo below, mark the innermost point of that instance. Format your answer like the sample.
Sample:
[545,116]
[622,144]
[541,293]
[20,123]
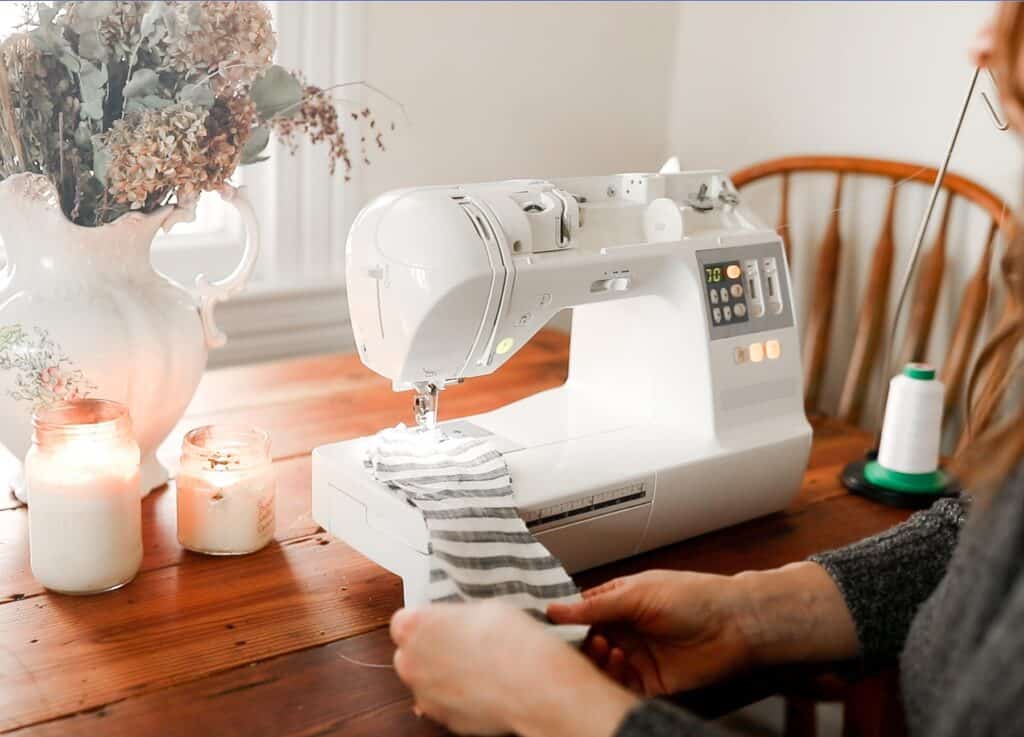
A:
[655,718]
[885,578]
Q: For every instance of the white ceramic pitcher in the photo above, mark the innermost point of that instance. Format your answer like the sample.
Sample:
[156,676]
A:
[83,313]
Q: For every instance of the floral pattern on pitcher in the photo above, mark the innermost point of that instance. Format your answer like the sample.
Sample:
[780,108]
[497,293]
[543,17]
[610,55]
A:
[44,373]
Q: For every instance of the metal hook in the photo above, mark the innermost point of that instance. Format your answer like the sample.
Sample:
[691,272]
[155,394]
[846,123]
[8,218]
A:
[1000,124]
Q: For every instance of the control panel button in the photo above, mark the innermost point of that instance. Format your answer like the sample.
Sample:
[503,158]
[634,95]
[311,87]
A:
[724,294]
[736,290]
[739,309]
[756,352]
[713,294]
[727,313]
[772,349]
[739,354]
[732,271]
[716,315]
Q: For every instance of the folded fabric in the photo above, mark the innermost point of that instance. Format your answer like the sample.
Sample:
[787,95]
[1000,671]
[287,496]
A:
[480,548]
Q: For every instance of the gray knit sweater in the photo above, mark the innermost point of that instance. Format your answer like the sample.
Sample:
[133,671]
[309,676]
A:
[952,611]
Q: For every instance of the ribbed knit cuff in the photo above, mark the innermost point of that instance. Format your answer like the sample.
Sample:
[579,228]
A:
[885,579]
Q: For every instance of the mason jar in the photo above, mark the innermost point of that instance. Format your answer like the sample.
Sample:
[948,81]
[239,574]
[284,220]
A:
[226,490]
[85,514]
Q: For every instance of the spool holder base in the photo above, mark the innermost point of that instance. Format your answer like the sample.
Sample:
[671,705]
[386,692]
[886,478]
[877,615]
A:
[853,478]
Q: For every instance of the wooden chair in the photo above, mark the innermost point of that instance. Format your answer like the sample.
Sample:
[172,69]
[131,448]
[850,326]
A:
[872,327]
[871,706]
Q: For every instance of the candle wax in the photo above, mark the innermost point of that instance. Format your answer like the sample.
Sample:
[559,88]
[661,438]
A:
[226,512]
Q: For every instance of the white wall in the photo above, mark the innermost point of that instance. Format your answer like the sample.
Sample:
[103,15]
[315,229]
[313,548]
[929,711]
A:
[502,90]
[759,80]
[506,90]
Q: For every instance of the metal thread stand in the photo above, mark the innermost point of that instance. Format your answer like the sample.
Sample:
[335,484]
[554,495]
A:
[853,476]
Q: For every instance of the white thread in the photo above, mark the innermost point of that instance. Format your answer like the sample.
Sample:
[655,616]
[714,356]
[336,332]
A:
[912,428]
[387,666]
[896,185]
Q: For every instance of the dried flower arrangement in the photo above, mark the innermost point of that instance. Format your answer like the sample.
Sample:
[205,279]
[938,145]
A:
[135,105]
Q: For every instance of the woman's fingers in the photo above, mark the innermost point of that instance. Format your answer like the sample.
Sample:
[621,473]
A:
[614,601]
[616,666]
[402,623]
[597,649]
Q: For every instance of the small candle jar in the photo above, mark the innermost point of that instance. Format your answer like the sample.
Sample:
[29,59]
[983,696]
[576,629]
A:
[85,515]
[226,491]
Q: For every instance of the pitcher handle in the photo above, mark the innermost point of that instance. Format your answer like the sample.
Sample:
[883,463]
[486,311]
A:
[210,293]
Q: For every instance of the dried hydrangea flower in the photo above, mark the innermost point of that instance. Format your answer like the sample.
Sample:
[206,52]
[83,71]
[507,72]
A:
[119,28]
[228,127]
[154,153]
[234,38]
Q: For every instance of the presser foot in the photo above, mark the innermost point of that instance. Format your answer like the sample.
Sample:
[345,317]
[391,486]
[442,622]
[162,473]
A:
[424,405]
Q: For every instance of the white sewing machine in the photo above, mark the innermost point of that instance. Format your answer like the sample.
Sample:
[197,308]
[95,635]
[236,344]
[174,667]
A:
[683,409]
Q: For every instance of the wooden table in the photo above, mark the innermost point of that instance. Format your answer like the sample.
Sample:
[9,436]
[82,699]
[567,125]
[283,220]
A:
[256,645]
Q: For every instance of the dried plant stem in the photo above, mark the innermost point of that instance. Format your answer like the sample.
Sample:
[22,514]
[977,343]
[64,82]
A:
[60,144]
[7,110]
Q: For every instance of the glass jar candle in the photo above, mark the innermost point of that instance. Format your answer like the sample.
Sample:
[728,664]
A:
[226,491]
[85,514]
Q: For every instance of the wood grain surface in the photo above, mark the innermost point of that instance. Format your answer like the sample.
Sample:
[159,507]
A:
[253,645]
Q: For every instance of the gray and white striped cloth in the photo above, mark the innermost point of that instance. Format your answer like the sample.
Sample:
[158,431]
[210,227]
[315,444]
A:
[480,547]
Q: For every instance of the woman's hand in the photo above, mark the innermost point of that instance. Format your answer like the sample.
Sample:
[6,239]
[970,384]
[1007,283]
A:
[489,669]
[660,632]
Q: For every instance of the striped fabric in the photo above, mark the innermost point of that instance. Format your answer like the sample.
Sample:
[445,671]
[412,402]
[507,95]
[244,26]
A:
[480,548]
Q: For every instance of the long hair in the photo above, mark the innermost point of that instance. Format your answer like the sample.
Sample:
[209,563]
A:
[994,439]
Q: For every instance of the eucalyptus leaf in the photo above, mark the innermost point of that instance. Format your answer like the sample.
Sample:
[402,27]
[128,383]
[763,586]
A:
[100,162]
[92,76]
[149,102]
[91,46]
[198,94]
[256,144]
[83,136]
[95,9]
[46,14]
[45,39]
[275,92]
[142,83]
[155,22]
[71,61]
[92,82]
[92,108]
[155,102]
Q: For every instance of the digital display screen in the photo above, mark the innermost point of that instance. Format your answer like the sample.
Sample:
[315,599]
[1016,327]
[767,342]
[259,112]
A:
[716,273]
[726,294]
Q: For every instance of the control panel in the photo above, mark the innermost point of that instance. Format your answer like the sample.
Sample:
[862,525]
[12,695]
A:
[746,289]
